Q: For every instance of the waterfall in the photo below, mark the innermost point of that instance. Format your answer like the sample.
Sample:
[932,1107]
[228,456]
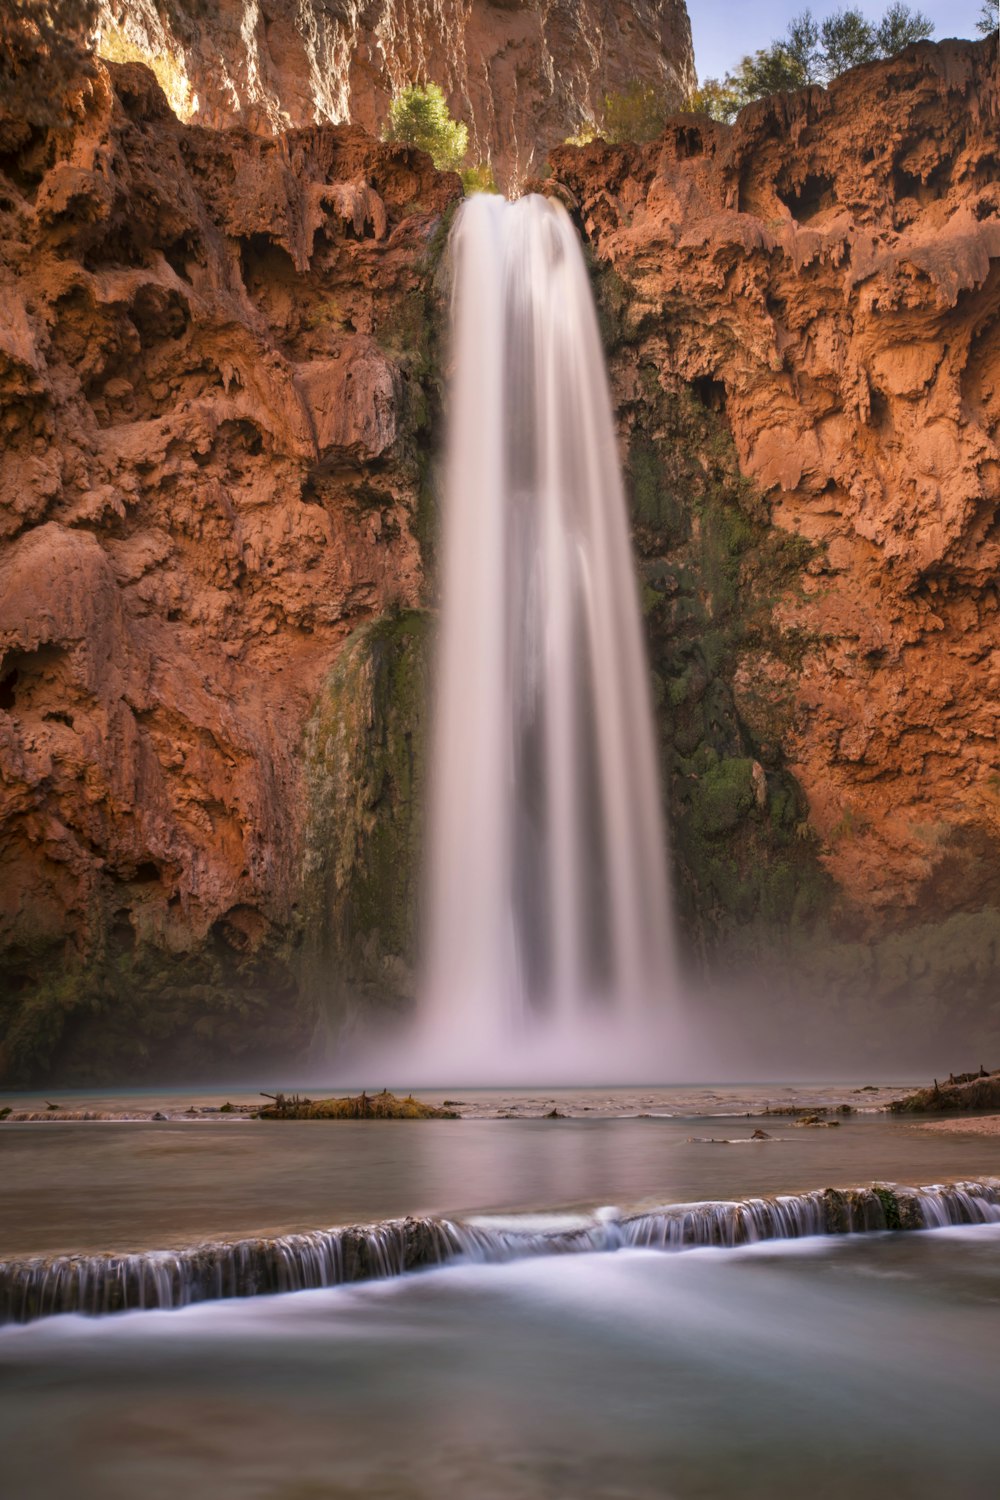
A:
[96,1284]
[549,939]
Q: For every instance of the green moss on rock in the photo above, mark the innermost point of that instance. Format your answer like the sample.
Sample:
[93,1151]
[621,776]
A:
[365,757]
[890,1206]
[150,1013]
[725,796]
[711,570]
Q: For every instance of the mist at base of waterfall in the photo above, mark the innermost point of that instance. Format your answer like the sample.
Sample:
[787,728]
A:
[591,1050]
[731,1032]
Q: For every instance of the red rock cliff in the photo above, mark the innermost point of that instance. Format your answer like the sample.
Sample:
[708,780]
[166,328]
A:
[211,348]
[523,74]
[218,380]
[827,273]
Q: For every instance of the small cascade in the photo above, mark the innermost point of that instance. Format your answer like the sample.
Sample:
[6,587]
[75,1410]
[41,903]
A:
[97,1284]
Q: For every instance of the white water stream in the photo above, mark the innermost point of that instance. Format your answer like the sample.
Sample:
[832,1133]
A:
[549,947]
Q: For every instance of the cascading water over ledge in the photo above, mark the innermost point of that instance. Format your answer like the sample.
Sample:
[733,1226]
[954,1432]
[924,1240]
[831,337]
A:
[98,1284]
[550,947]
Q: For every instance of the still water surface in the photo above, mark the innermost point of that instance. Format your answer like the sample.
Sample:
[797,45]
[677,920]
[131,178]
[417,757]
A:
[129,1186]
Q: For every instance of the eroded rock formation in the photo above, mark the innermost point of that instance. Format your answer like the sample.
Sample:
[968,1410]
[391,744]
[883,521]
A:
[210,362]
[826,275]
[523,74]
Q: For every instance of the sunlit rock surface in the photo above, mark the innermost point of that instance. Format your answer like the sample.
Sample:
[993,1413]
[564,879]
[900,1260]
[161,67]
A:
[523,74]
[825,277]
[215,369]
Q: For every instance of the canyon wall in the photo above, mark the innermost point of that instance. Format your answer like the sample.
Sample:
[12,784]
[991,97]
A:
[824,277]
[217,389]
[220,402]
[522,74]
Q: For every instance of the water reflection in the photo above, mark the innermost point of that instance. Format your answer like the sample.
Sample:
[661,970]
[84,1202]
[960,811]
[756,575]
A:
[130,1187]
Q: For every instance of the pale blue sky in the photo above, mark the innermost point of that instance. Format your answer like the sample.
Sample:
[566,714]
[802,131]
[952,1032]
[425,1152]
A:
[724,30]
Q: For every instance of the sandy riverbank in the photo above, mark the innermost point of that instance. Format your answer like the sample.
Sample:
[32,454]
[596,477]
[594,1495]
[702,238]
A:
[977,1125]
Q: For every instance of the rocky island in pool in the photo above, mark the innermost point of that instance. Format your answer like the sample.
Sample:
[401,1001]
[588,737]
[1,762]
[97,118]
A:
[498,665]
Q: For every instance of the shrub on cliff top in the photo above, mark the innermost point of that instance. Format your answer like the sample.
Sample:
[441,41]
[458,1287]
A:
[419,116]
[479,179]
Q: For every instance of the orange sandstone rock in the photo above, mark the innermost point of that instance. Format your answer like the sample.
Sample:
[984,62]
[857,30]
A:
[208,478]
[523,74]
[830,265]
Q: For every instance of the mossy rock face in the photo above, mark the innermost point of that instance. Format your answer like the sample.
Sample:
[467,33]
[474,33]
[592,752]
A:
[711,569]
[365,759]
[151,1014]
[751,890]
[146,1012]
[725,796]
[890,1206]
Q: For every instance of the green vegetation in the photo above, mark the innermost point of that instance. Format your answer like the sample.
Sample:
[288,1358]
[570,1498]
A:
[384,1106]
[148,1012]
[479,179]
[890,1206]
[989,18]
[364,754]
[811,52]
[711,569]
[638,113]
[725,796]
[969,1091]
[420,116]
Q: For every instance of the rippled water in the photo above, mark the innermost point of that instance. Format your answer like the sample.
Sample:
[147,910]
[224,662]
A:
[860,1368]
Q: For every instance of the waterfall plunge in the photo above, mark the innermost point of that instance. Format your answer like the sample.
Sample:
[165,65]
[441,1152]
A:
[549,950]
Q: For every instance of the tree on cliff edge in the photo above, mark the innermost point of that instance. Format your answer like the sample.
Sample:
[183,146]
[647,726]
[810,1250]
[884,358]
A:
[419,116]
[43,44]
[811,52]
